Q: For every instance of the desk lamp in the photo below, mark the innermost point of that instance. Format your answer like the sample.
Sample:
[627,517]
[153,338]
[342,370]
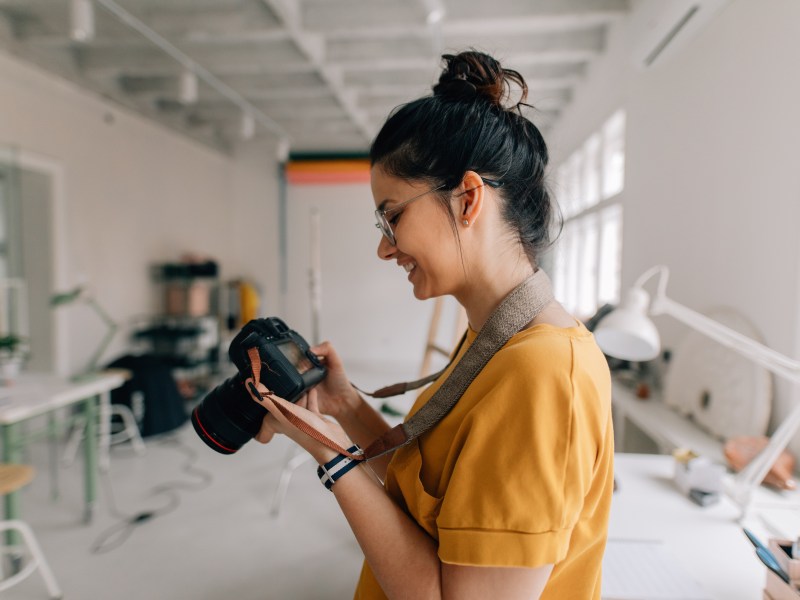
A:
[81,294]
[628,334]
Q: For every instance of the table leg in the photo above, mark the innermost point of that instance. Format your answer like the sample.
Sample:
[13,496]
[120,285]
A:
[104,442]
[12,454]
[90,453]
[52,443]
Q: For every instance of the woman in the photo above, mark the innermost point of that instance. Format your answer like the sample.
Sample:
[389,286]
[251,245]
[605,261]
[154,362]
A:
[508,495]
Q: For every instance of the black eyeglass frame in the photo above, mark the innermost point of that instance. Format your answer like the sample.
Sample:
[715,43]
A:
[382,222]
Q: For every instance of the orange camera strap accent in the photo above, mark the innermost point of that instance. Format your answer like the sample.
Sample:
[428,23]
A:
[514,313]
[260,393]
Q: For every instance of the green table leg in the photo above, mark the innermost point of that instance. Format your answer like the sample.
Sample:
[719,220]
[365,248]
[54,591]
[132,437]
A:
[12,454]
[52,444]
[90,451]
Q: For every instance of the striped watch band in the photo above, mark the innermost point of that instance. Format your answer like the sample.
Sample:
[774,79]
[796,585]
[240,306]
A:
[337,467]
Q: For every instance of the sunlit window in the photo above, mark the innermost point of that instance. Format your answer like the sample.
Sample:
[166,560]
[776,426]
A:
[587,258]
[610,262]
[591,172]
[614,155]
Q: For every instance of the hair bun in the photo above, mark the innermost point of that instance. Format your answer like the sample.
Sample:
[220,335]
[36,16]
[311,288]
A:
[474,75]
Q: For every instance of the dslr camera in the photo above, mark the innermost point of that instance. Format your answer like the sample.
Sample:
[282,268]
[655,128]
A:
[228,417]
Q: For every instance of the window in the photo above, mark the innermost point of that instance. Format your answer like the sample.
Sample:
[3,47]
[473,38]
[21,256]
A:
[3,219]
[591,172]
[587,258]
[608,272]
[614,155]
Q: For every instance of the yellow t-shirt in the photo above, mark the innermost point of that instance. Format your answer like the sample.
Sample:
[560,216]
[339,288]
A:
[520,472]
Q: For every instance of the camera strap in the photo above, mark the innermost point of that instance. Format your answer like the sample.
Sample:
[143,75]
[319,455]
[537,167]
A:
[514,313]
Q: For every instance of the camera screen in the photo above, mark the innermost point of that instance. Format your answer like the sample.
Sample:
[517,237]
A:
[295,355]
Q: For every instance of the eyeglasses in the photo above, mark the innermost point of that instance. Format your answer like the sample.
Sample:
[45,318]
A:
[382,215]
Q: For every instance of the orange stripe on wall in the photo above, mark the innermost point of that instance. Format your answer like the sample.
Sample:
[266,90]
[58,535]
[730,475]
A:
[316,172]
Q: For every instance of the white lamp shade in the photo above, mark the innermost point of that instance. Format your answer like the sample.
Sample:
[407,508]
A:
[81,20]
[627,333]
[188,87]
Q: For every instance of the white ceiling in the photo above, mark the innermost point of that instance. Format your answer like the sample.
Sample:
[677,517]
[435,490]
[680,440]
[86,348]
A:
[324,73]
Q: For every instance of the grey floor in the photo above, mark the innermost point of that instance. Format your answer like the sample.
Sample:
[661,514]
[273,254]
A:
[218,540]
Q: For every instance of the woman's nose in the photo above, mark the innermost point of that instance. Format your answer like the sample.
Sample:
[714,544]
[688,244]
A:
[385,249]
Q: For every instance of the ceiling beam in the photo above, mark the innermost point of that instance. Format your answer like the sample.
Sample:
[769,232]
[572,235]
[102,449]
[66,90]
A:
[222,69]
[189,63]
[513,60]
[313,47]
[187,41]
[389,17]
[248,19]
[303,109]
[401,91]
[327,16]
[261,55]
[592,41]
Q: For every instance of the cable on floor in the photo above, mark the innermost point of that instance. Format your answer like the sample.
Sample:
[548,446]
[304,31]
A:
[117,534]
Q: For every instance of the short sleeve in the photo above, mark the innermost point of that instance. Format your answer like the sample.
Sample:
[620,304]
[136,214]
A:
[513,497]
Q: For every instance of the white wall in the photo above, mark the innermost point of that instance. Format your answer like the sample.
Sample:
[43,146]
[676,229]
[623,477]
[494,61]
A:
[136,194]
[369,311]
[712,187]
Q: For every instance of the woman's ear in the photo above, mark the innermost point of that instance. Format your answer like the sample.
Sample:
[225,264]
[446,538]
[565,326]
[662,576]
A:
[471,199]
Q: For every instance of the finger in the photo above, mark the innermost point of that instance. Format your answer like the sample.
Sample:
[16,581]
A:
[321,348]
[313,401]
[303,402]
[267,431]
[284,424]
[325,353]
[270,403]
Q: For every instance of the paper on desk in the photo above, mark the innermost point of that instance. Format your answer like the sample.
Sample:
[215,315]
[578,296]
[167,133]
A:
[781,521]
[645,570]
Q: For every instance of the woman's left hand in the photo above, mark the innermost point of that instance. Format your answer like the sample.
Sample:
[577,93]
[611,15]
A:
[306,409]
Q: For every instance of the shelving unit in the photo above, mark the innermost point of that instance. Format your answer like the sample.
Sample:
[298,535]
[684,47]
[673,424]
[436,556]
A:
[658,426]
[186,335]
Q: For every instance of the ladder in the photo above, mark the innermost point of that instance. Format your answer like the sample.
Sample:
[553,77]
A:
[395,408]
[431,346]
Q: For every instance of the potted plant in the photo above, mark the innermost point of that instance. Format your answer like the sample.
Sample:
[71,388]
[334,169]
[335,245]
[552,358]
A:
[13,350]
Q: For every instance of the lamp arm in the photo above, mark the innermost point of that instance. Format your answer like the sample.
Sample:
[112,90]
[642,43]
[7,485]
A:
[101,312]
[749,348]
[753,474]
[662,270]
[112,329]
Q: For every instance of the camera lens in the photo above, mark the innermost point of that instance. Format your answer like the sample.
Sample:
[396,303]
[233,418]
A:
[227,418]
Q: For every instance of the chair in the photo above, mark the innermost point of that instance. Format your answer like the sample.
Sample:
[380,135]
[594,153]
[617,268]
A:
[108,410]
[12,478]
[129,432]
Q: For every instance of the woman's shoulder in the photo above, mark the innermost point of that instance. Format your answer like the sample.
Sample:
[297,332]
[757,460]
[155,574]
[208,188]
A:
[545,340]
[545,355]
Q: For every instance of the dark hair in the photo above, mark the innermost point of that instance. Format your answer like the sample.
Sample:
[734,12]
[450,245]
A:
[466,126]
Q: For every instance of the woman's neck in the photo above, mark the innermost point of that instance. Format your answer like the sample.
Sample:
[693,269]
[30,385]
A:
[483,291]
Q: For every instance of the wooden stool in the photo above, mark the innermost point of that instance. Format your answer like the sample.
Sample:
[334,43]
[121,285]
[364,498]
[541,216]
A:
[12,478]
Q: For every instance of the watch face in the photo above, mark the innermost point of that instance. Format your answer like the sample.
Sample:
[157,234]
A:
[295,355]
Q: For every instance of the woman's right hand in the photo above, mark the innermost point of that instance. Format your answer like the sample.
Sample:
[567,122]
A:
[335,394]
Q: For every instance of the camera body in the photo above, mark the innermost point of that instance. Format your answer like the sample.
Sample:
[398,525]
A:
[289,369]
[228,417]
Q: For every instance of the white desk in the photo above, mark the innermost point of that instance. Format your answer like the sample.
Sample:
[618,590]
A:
[33,395]
[706,541]
[660,423]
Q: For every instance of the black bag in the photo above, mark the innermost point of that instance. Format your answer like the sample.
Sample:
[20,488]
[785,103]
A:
[163,407]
